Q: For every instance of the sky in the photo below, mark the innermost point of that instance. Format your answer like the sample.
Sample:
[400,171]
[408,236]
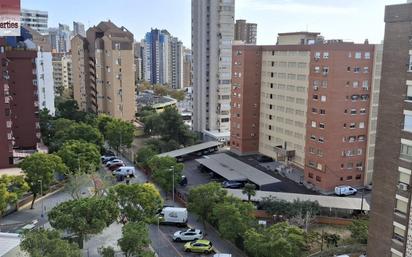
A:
[350,20]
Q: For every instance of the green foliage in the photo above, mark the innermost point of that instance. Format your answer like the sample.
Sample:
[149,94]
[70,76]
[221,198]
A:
[82,217]
[135,239]
[76,182]
[204,198]
[359,230]
[139,202]
[102,121]
[78,131]
[69,109]
[107,251]
[52,128]
[11,189]
[287,209]
[119,133]
[279,240]
[41,167]
[162,171]
[179,95]
[233,217]
[79,156]
[144,155]
[45,120]
[47,243]
[170,126]
[331,239]
[249,190]
[161,146]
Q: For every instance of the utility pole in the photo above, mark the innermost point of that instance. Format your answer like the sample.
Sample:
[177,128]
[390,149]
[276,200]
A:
[172,169]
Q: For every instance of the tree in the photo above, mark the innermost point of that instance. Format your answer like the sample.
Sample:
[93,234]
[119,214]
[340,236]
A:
[119,133]
[249,190]
[152,123]
[359,230]
[135,239]
[79,131]
[173,127]
[80,156]
[45,125]
[161,146]
[139,202]
[67,109]
[331,239]
[47,243]
[233,217]
[11,190]
[279,240]
[164,169]
[82,217]
[39,169]
[179,95]
[107,251]
[102,121]
[144,155]
[204,198]
[75,183]
[281,207]
[160,90]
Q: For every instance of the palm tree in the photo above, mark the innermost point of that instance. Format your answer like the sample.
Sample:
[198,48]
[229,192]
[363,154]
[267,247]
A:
[249,190]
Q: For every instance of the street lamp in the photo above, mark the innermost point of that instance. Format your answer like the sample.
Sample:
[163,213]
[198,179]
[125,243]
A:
[41,195]
[172,168]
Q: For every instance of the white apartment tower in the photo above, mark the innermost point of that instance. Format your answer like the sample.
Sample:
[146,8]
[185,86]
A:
[35,19]
[212,36]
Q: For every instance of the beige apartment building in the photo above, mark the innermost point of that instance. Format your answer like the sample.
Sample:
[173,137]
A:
[103,71]
[284,93]
[62,74]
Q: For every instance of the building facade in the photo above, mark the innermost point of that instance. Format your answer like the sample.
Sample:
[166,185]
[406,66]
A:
[245,32]
[156,56]
[103,71]
[314,106]
[390,225]
[212,36]
[176,63]
[19,127]
[78,29]
[187,68]
[37,20]
[62,74]
[138,61]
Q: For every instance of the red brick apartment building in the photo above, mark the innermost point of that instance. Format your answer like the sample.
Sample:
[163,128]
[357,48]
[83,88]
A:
[19,126]
[305,101]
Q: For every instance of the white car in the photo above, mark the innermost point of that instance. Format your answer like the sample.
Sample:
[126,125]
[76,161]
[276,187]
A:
[188,235]
[125,171]
[345,190]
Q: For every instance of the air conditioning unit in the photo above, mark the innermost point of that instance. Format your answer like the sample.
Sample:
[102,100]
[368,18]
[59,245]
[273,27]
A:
[403,186]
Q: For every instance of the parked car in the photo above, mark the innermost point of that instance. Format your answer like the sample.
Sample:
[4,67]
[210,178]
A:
[222,255]
[345,190]
[183,182]
[232,184]
[188,235]
[173,215]
[108,158]
[115,166]
[199,246]
[109,163]
[264,158]
[125,171]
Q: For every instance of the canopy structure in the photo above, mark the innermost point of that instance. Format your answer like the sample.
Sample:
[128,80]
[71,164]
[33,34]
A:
[192,149]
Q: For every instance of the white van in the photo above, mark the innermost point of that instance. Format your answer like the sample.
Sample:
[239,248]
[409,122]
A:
[345,190]
[173,215]
[125,171]
[222,255]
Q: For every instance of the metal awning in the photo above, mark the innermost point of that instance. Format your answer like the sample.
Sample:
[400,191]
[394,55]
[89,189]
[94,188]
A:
[191,149]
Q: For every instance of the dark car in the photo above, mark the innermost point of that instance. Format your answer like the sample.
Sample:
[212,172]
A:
[263,158]
[232,184]
[107,159]
[183,182]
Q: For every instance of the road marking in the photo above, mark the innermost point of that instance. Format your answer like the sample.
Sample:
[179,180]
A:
[168,241]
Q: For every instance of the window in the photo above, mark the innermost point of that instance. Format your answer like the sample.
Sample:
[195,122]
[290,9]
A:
[313,137]
[269,138]
[324,83]
[314,110]
[317,55]
[271,74]
[367,55]
[398,234]
[319,179]
[315,97]
[357,69]
[273,64]
[361,124]
[407,125]
[362,111]
[311,150]
[323,98]
[353,111]
[313,124]
[406,152]
[361,138]
[410,63]
[325,55]
[409,93]
[352,125]
[317,69]
[349,178]
[321,140]
[322,125]
[365,84]
[349,166]
[365,69]
[322,111]
[358,55]
[401,206]
[355,84]
[310,175]
[325,70]
[271,85]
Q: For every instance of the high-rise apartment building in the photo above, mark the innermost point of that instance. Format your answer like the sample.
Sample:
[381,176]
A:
[212,36]
[62,74]
[245,32]
[103,71]
[78,29]
[156,56]
[176,63]
[19,126]
[313,106]
[187,68]
[390,217]
[138,61]
[59,38]
[44,67]
[35,19]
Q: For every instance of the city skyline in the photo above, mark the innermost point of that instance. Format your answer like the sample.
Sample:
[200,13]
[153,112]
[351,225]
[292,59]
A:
[365,18]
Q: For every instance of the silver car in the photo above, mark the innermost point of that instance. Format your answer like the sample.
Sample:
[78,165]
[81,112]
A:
[188,235]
